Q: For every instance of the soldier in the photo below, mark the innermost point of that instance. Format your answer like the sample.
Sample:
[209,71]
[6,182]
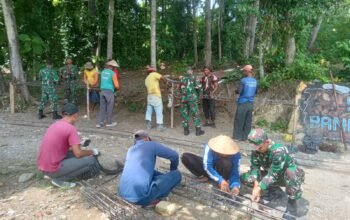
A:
[49,78]
[271,164]
[189,87]
[69,75]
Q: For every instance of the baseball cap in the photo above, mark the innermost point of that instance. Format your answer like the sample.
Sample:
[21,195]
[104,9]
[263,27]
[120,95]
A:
[140,134]
[256,137]
[69,109]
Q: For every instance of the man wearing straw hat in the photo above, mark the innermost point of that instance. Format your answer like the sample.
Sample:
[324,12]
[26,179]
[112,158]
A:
[272,164]
[140,183]
[220,162]
[109,83]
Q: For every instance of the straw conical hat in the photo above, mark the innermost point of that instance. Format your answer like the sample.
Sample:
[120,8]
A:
[112,63]
[223,144]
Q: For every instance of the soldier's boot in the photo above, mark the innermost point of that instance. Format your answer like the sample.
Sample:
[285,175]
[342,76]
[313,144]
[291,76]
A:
[148,124]
[199,131]
[55,115]
[186,131]
[291,211]
[41,114]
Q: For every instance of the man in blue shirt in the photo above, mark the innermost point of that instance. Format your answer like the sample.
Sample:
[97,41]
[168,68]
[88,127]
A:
[220,162]
[243,118]
[140,183]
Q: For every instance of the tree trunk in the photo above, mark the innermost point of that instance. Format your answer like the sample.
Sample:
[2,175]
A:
[153,33]
[92,7]
[208,33]
[314,32]
[247,40]
[219,29]
[261,61]
[15,58]
[110,29]
[2,84]
[290,50]
[195,49]
[253,23]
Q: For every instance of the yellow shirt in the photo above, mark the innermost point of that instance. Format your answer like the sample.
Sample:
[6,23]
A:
[152,84]
[91,76]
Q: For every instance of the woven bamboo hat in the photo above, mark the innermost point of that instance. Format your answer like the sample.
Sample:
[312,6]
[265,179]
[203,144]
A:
[112,63]
[223,144]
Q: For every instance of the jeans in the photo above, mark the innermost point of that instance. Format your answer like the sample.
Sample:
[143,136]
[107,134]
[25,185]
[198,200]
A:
[72,167]
[154,102]
[106,107]
[161,186]
[243,121]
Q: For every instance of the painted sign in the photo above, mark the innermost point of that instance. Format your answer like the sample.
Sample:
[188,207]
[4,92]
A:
[319,113]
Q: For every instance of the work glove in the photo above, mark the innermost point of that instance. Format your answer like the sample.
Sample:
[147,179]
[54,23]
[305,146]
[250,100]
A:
[95,152]
[85,142]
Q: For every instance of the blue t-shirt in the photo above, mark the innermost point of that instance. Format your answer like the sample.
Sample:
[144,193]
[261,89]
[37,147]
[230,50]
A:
[135,182]
[210,158]
[248,85]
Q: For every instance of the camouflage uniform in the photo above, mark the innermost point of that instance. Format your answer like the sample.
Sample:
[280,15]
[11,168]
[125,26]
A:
[278,168]
[49,78]
[189,98]
[69,74]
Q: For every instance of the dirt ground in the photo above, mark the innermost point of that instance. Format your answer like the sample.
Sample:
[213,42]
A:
[326,189]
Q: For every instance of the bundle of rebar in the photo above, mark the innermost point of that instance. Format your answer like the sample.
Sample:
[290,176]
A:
[112,205]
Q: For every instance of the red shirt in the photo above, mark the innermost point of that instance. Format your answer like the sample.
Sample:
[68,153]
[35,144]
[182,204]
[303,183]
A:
[55,145]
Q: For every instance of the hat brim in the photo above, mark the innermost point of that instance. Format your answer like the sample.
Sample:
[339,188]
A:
[223,145]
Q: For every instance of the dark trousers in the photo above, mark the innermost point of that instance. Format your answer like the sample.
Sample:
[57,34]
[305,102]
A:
[194,164]
[209,109]
[243,121]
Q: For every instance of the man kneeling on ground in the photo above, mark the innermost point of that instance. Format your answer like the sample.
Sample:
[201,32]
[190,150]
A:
[60,156]
[271,164]
[140,183]
[220,163]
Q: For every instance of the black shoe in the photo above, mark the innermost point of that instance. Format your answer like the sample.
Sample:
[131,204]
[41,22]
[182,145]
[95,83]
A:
[291,211]
[199,131]
[206,124]
[212,125]
[186,131]
[41,114]
[56,116]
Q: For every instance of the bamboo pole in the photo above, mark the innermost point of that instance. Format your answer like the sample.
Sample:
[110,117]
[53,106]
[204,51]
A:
[12,97]
[87,101]
[172,106]
[341,133]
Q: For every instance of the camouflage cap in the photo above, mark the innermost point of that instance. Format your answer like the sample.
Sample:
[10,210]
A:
[257,136]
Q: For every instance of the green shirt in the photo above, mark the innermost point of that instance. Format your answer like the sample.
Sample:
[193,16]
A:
[275,161]
[69,72]
[48,77]
[189,86]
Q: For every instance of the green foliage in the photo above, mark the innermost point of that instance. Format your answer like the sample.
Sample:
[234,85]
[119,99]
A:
[262,123]
[134,106]
[344,47]
[279,125]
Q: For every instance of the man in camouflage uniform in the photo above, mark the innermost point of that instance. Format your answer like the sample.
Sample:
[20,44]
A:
[69,75]
[271,164]
[188,88]
[49,78]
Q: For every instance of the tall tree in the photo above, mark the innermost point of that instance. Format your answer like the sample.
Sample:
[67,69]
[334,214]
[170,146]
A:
[15,57]
[221,2]
[153,33]
[314,32]
[208,33]
[110,29]
[194,30]
[250,30]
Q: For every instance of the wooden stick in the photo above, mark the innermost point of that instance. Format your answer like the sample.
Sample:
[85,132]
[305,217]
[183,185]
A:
[12,98]
[172,106]
[87,101]
[342,135]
